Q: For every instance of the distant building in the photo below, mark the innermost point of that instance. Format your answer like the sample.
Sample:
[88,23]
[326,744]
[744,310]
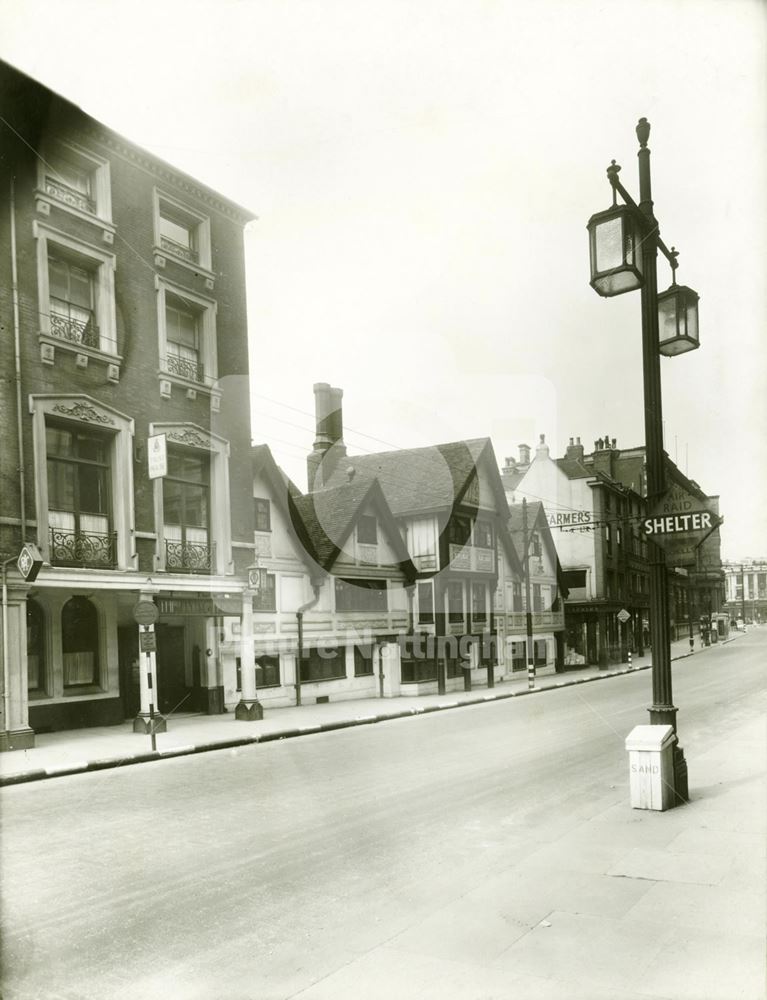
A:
[122,301]
[746,589]
[595,503]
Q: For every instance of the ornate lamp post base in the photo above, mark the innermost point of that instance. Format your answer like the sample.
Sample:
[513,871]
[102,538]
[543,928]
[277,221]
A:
[249,711]
[146,725]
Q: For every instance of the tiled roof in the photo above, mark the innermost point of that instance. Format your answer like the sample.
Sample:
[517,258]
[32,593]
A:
[574,469]
[419,479]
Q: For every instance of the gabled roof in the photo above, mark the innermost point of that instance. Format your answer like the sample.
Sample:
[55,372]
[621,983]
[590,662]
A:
[282,491]
[536,521]
[417,480]
[328,517]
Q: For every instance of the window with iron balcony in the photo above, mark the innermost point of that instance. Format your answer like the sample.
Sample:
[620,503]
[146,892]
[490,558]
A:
[75,283]
[79,506]
[187,337]
[76,180]
[186,509]
[182,233]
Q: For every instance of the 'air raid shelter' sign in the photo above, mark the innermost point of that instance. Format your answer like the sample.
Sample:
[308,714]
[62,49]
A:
[678,524]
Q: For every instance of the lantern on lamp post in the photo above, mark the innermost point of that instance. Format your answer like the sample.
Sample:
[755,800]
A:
[615,246]
[677,318]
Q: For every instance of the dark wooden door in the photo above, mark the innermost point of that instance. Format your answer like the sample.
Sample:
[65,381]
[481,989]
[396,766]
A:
[173,695]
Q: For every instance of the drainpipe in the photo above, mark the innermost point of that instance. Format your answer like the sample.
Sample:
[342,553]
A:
[316,584]
[17,368]
[6,670]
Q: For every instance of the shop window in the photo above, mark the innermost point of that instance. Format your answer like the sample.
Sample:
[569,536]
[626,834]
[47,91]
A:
[267,671]
[80,642]
[363,660]
[416,667]
[326,664]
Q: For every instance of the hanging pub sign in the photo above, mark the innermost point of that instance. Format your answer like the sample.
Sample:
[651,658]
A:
[678,523]
[157,456]
[29,562]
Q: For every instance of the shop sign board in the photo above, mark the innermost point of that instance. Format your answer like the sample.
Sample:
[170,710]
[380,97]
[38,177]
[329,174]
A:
[157,455]
[145,613]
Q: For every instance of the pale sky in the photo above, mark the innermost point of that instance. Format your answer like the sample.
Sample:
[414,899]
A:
[423,173]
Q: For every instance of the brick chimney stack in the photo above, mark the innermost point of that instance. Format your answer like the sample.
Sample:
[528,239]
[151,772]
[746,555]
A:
[329,447]
[575,450]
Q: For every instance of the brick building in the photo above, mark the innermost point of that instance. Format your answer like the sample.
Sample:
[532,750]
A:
[595,503]
[122,305]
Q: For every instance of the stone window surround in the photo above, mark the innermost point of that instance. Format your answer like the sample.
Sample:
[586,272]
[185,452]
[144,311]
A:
[206,309]
[103,266]
[97,166]
[188,435]
[201,225]
[51,603]
[82,410]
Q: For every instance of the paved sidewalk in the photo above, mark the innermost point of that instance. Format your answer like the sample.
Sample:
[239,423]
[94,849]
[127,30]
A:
[74,751]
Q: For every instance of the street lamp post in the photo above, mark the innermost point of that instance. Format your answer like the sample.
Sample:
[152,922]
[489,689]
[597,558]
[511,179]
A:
[624,244]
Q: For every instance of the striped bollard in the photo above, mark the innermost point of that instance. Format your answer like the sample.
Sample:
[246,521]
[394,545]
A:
[530,675]
[629,659]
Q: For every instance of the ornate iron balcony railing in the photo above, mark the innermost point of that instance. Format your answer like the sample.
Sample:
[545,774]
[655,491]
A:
[179,250]
[83,548]
[76,331]
[185,368]
[188,557]
[69,196]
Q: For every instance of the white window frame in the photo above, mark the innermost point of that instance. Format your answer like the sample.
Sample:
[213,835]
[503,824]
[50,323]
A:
[185,435]
[96,166]
[206,309]
[103,266]
[83,411]
[198,222]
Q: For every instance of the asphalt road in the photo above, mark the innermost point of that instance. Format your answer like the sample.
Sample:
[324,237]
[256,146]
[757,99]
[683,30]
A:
[256,872]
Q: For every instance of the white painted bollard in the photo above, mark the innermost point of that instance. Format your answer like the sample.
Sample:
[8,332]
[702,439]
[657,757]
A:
[629,659]
[651,767]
